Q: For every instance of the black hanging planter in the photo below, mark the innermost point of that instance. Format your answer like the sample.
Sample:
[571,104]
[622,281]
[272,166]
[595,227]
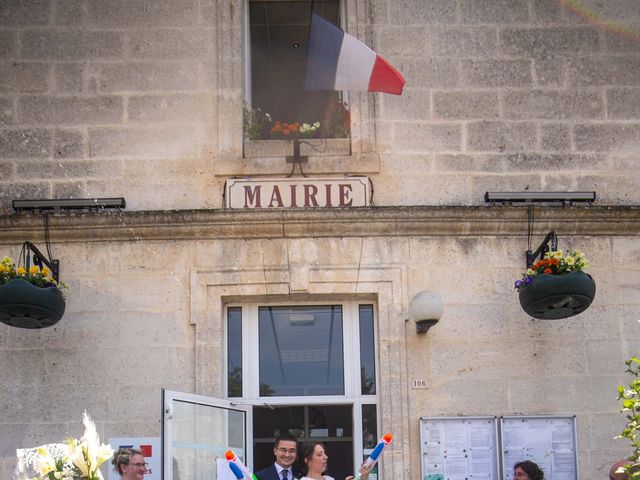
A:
[552,297]
[25,305]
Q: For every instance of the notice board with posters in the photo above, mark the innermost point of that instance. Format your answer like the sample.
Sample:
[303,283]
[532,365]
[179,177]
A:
[459,448]
[549,441]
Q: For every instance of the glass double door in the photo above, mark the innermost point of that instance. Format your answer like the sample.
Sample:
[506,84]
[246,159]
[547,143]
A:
[329,424]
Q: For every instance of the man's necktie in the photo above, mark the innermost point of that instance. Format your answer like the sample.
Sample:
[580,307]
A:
[285,474]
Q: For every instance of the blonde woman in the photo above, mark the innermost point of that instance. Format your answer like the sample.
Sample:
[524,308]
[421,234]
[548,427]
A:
[315,459]
[129,463]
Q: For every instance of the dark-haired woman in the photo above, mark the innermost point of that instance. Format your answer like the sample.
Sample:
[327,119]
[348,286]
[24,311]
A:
[315,458]
[527,470]
[129,463]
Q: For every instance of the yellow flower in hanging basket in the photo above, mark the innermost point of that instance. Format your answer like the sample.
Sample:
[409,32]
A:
[36,275]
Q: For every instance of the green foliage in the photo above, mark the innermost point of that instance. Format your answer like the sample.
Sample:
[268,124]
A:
[256,123]
[336,123]
[630,397]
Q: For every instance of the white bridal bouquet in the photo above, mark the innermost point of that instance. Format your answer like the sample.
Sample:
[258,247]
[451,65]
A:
[73,460]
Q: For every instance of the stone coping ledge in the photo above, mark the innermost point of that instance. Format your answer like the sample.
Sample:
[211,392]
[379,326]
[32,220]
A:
[300,223]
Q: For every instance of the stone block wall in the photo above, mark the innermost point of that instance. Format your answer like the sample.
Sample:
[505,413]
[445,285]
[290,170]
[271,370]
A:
[148,314]
[144,100]
[107,100]
[509,95]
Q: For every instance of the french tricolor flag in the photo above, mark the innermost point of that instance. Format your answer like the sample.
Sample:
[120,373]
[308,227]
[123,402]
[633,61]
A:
[339,61]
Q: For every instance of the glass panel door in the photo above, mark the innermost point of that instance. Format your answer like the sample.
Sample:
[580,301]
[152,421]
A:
[197,431]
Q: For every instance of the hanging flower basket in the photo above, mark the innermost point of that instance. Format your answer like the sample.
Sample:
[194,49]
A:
[25,305]
[557,286]
[552,297]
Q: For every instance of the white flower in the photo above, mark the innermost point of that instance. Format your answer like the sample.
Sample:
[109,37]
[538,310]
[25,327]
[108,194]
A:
[306,128]
[37,463]
[75,460]
[45,463]
[88,453]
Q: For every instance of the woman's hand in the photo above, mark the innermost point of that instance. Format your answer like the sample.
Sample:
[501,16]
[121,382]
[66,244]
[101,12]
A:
[364,472]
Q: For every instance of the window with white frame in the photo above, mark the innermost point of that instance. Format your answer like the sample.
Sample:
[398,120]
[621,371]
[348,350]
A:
[353,150]
[298,350]
[304,361]
[279,104]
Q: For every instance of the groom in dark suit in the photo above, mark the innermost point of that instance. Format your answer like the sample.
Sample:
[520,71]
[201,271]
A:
[285,450]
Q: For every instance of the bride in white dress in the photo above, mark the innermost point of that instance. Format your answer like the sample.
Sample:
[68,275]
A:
[315,458]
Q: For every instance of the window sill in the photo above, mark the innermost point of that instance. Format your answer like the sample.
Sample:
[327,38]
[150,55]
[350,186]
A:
[324,156]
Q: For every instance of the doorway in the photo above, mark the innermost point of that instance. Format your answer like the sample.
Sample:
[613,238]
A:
[329,424]
[308,369]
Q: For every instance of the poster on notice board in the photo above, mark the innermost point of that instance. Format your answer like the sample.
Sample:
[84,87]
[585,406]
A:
[459,448]
[548,441]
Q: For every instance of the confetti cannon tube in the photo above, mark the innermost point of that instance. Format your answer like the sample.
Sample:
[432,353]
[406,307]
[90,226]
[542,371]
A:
[237,467]
[375,454]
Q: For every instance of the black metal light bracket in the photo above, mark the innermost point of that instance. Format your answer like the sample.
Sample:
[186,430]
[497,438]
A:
[422,326]
[40,259]
[543,248]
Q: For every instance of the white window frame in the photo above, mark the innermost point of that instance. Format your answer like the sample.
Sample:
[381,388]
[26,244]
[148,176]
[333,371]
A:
[351,359]
[233,81]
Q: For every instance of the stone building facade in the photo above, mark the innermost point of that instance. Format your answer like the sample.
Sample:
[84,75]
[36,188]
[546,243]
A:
[144,100]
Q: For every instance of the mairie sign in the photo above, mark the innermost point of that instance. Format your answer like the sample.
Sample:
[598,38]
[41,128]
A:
[273,193]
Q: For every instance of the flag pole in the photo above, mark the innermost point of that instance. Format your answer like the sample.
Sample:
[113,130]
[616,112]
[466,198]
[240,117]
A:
[311,12]
[309,37]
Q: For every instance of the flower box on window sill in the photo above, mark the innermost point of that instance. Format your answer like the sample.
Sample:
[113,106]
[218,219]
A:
[312,147]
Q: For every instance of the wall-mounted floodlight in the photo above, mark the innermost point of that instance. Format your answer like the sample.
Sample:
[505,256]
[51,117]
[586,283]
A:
[69,204]
[530,197]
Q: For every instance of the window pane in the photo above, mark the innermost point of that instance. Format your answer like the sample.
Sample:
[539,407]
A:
[199,431]
[367,351]
[369,427]
[301,350]
[279,42]
[330,421]
[369,432]
[234,349]
[269,423]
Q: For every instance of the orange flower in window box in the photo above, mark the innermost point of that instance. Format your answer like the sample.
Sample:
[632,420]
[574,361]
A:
[285,130]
